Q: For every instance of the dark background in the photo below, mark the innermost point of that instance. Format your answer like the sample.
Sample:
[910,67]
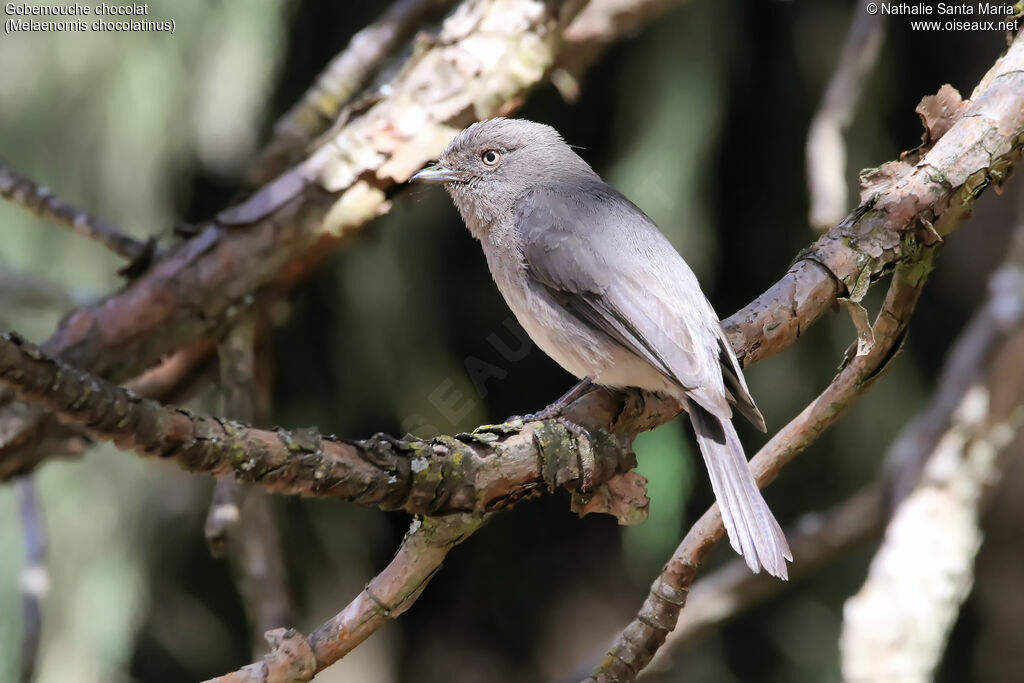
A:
[701,119]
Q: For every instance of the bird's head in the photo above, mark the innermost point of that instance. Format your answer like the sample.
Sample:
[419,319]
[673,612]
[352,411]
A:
[490,164]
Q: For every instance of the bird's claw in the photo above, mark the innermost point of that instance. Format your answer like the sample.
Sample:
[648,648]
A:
[574,428]
[548,413]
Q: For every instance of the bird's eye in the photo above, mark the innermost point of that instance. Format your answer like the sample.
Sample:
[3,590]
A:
[490,157]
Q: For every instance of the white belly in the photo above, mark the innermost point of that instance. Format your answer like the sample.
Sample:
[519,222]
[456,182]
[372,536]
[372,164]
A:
[574,346]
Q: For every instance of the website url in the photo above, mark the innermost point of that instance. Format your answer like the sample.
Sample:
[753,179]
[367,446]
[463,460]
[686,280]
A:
[965,25]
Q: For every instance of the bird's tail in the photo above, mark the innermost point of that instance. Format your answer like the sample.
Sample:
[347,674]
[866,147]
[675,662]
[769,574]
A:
[753,530]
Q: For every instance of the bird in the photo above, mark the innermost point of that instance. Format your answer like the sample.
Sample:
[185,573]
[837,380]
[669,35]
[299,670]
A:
[599,288]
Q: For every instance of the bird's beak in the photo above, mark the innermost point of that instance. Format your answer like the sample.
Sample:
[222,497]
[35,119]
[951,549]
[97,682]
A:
[436,174]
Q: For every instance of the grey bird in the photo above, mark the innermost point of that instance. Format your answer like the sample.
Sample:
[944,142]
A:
[597,286]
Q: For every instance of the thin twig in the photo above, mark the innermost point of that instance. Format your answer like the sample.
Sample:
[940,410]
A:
[43,203]
[826,149]
[237,386]
[634,648]
[241,521]
[35,578]
[386,596]
[258,561]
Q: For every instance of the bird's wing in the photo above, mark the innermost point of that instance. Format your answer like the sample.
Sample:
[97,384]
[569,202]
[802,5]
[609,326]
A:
[607,263]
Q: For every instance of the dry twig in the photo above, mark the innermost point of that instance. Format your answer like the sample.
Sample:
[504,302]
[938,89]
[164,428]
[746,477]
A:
[43,203]
[241,522]
[236,354]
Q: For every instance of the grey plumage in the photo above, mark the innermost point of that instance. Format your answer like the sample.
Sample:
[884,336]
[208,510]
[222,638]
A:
[598,287]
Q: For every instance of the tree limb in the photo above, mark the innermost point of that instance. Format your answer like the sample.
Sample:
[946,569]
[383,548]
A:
[896,626]
[816,539]
[43,203]
[486,470]
[295,658]
[338,84]
[634,648]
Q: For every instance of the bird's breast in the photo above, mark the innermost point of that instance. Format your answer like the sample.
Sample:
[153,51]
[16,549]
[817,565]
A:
[577,347]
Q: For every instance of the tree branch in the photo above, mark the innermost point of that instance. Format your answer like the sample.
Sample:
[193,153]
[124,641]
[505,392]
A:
[241,522]
[896,626]
[338,84]
[43,203]
[634,648]
[294,658]
[816,539]
[237,386]
[486,470]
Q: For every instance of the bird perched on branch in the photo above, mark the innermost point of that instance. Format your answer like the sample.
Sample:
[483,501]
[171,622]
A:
[598,287]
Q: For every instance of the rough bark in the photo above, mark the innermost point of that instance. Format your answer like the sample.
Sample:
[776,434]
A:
[485,470]
[896,626]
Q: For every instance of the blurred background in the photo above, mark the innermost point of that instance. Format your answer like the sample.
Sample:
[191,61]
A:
[701,119]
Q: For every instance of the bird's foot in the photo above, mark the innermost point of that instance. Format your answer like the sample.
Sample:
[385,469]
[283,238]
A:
[549,413]
[555,409]
[574,428]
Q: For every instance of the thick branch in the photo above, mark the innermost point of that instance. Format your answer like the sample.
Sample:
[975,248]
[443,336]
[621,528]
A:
[479,472]
[339,82]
